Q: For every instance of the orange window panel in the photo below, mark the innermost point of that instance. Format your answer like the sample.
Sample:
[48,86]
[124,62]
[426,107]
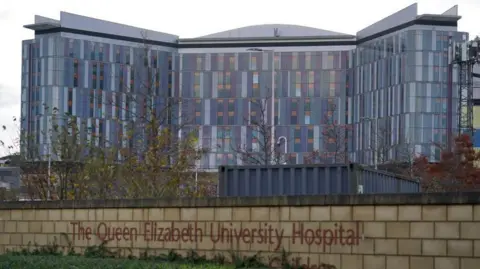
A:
[230,113]
[294,113]
[220,113]
[255,86]
[197,114]
[297,140]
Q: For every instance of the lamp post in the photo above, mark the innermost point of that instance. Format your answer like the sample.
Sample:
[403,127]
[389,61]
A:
[272,115]
[375,156]
[285,146]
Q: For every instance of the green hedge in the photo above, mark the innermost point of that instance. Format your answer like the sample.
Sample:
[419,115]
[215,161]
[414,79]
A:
[100,257]
[79,262]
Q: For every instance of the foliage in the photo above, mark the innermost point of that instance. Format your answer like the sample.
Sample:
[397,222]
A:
[455,171]
[101,257]
[45,262]
[335,139]
[264,149]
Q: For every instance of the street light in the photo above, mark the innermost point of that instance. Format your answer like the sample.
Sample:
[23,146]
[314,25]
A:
[285,147]
[375,157]
[272,116]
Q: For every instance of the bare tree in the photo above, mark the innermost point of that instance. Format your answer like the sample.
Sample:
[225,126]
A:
[160,149]
[335,140]
[263,149]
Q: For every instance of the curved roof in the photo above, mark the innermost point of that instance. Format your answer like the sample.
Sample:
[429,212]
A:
[268,30]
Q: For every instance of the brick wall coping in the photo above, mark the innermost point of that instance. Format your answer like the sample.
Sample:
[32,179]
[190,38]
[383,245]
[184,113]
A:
[340,200]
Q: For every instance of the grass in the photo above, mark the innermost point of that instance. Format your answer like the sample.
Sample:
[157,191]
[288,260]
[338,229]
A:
[79,262]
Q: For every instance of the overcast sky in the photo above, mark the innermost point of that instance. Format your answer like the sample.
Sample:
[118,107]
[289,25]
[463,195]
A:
[191,18]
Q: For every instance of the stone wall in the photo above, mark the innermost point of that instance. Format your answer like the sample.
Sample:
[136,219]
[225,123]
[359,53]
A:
[370,231]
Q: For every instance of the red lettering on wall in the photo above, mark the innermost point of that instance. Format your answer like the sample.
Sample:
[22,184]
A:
[105,232]
[220,232]
[325,237]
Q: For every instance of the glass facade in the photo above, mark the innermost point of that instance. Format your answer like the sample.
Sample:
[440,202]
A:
[102,84]
[400,96]
[390,91]
[221,87]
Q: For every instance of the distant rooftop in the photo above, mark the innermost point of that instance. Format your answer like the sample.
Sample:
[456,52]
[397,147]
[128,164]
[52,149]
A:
[269,30]
[90,26]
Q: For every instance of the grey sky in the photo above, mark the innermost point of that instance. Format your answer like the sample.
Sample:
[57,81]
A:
[190,18]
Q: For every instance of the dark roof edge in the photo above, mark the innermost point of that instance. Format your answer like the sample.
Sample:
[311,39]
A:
[256,39]
[264,42]
[456,198]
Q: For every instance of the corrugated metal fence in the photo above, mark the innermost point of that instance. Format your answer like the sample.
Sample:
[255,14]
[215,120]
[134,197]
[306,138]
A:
[278,180]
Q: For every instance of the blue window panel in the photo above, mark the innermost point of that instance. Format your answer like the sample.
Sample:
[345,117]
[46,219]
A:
[476,139]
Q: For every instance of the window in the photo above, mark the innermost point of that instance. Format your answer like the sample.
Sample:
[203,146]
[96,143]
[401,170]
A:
[92,100]
[100,53]
[102,72]
[332,89]
[199,63]
[255,86]
[255,144]
[311,83]
[298,85]
[253,117]
[310,137]
[307,111]
[75,73]
[132,80]
[99,99]
[294,112]
[220,62]
[295,60]
[220,112]
[170,65]
[70,99]
[332,77]
[308,61]
[297,139]
[70,48]
[231,111]
[253,63]
[120,79]
[220,84]
[92,51]
[127,56]
[117,55]
[196,85]
[232,63]
[94,75]
[228,82]
[276,120]
[157,81]
[330,62]
[154,61]
[198,112]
